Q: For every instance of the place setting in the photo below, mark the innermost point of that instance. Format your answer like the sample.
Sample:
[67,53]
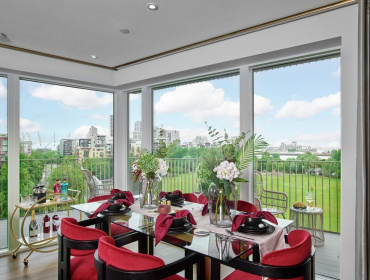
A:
[118,204]
[180,222]
[252,223]
[176,198]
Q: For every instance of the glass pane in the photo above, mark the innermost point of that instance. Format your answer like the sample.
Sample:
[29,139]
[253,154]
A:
[297,110]
[62,130]
[182,112]
[135,136]
[3,164]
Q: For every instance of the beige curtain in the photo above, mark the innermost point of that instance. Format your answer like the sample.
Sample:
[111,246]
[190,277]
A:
[363,147]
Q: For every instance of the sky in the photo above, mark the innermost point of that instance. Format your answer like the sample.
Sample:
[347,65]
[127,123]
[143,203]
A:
[296,103]
[68,112]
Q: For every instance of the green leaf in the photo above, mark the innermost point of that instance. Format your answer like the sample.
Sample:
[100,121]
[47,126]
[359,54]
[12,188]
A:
[244,156]
[241,180]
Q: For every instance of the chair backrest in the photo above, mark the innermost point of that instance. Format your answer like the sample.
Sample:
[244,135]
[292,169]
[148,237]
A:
[245,206]
[257,203]
[71,230]
[193,198]
[132,261]
[300,248]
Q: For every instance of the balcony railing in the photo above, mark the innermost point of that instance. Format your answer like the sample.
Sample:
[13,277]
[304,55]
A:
[294,178]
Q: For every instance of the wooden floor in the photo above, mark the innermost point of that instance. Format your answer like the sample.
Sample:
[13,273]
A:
[44,266]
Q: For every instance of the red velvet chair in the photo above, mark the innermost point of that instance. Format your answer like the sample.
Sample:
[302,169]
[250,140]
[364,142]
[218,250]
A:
[80,242]
[193,198]
[115,229]
[289,258]
[114,262]
[245,206]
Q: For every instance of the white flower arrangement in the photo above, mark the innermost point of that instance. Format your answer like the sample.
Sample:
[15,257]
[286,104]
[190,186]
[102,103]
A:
[227,170]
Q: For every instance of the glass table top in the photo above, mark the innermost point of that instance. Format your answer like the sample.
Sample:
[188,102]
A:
[213,245]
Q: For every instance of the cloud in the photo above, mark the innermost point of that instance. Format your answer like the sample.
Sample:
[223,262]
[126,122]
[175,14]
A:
[100,117]
[325,138]
[133,96]
[2,122]
[301,109]
[336,112]
[261,105]
[83,130]
[198,102]
[336,73]
[73,97]
[2,90]
[29,126]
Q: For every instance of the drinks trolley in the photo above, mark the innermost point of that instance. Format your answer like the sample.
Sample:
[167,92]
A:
[36,244]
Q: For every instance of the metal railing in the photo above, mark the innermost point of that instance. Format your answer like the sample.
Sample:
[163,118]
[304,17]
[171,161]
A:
[294,178]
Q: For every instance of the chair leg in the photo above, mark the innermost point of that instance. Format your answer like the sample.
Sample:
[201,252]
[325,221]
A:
[201,268]
[188,270]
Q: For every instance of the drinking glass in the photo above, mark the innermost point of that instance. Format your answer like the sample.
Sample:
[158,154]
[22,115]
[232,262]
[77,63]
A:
[310,199]
[197,191]
[39,221]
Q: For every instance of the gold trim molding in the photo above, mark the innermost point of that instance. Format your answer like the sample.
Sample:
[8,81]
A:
[255,28]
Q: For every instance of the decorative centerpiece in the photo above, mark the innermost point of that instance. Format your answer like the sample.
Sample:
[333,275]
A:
[147,169]
[221,167]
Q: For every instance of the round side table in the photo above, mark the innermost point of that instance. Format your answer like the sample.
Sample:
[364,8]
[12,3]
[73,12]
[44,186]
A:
[310,220]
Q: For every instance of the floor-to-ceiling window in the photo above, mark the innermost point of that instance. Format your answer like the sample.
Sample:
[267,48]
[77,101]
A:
[3,163]
[185,110]
[297,111]
[61,130]
[135,136]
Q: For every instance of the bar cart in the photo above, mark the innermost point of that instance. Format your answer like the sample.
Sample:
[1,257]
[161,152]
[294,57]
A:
[38,243]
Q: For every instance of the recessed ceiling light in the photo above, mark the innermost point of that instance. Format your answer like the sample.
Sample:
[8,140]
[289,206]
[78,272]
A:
[94,56]
[124,31]
[152,6]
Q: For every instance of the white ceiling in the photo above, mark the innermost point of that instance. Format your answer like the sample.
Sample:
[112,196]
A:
[76,29]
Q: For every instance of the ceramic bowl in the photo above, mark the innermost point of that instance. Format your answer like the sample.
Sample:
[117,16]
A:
[164,209]
[114,207]
[253,221]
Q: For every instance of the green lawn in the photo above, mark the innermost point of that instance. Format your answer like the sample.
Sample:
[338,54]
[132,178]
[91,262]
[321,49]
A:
[327,191]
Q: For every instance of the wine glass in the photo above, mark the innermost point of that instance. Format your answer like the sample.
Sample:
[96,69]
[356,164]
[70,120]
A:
[310,199]
[40,222]
[197,191]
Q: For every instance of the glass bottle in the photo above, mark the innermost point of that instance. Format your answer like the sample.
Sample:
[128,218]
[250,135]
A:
[33,228]
[64,188]
[46,222]
[57,189]
[55,219]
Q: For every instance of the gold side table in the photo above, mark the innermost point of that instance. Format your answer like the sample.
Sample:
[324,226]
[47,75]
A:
[310,220]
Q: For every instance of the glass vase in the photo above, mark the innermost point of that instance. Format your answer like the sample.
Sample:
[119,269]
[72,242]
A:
[222,203]
[149,192]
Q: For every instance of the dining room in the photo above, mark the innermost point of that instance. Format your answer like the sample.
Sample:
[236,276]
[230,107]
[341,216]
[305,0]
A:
[125,52]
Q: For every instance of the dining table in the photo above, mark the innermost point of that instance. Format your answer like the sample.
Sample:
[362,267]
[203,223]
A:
[216,244]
